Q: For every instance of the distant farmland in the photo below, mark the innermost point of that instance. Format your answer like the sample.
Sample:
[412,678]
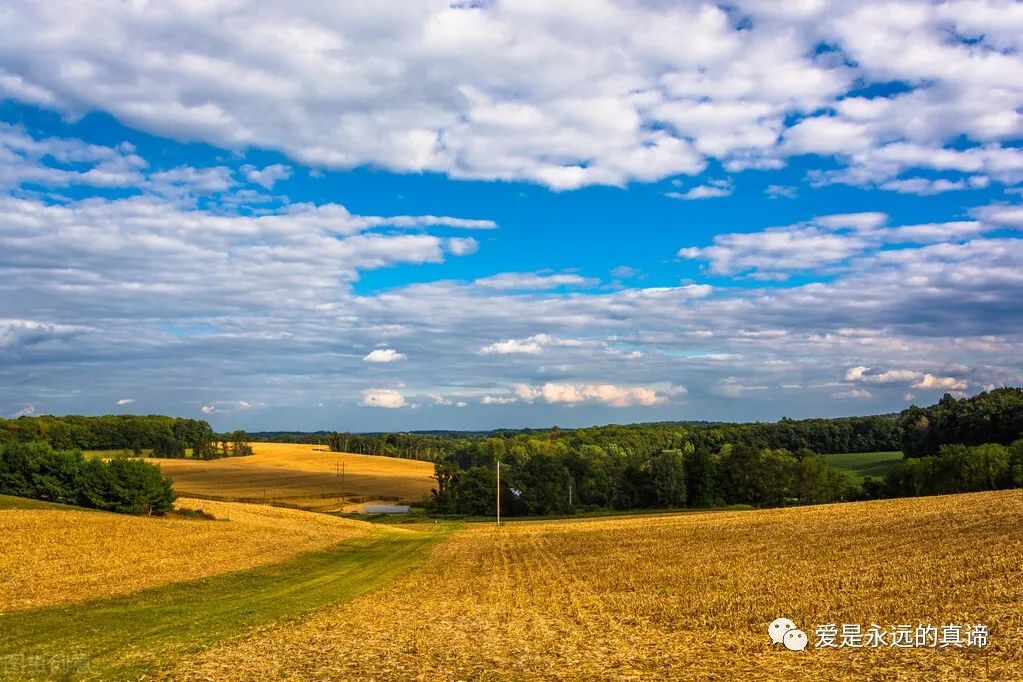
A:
[303,476]
[861,465]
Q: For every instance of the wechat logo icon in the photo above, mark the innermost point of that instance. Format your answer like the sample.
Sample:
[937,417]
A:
[783,631]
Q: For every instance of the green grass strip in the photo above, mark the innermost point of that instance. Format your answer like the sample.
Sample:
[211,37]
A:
[131,636]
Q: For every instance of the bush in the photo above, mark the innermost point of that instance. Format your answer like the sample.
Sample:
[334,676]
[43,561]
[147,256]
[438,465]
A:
[128,486]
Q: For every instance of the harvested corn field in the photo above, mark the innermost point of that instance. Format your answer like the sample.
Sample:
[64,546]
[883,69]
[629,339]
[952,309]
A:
[305,476]
[58,556]
[674,597]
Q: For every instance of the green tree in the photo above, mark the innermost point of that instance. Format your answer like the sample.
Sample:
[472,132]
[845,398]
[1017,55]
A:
[668,479]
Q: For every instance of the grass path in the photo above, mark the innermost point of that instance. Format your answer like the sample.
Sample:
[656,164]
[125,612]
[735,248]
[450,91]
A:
[130,637]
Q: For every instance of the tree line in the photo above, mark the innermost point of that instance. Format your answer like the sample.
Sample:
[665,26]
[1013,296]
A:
[544,476]
[167,437]
[975,444]
[991,417]
[129,486]
[957,468]
[825,436]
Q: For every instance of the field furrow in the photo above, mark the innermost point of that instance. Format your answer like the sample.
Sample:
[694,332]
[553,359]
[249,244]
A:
[687,596]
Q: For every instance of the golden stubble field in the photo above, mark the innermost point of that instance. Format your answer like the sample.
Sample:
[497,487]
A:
[59,556]
[688,596]
[300,475]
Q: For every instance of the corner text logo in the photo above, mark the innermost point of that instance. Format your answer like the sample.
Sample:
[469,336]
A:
[854,636]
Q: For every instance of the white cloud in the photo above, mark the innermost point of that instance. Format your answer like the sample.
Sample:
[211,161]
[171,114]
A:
[776,251]
[886,377]
[26,411]
[498,400]
[528,346]
[856,394]
[125,401]
[731,387]
[606,394]
[928,186]
[552,94]
[188,180]
[208,409]
[268,176]
[534,281]
[779,191]
[383,355]
[381,397]
[929,381]
[712,190]
[825,242]
[1008,215]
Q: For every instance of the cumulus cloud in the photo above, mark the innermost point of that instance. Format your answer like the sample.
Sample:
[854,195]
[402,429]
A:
[918,380]
[929,381]
[208,409]
[125,401]
[383,355]
[529,346]
[268,176]
[551,95]
[382,397]
[828,241]
[865,374]
[606,394]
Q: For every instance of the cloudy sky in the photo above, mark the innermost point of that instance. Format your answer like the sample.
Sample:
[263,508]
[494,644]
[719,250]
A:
[420,214]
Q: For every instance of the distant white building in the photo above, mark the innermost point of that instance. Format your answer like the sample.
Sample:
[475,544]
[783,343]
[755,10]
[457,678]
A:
[385,509]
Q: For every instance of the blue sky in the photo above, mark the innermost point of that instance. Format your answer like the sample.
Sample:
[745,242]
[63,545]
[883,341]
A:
[429,215]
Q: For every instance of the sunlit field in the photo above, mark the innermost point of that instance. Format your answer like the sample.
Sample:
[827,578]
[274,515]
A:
[673,597]
[304,476]
[57,555]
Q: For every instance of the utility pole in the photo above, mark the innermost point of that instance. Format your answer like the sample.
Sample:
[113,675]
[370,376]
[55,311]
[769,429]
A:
[339,470]
[498,492]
